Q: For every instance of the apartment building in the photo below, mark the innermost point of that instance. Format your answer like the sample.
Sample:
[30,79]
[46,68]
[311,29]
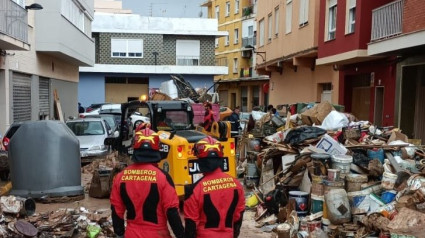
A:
[241,85]
[41,47]
[398,31]
[287,49]
[135,54]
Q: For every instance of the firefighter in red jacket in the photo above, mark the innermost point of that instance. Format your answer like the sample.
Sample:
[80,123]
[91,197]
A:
[146,192]
[215,205]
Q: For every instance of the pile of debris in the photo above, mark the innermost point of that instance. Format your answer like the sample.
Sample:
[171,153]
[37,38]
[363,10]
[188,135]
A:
[324,174]
[18,219]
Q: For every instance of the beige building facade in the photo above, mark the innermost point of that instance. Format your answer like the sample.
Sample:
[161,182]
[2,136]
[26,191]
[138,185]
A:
[241,86]
[38,58]
[286,49]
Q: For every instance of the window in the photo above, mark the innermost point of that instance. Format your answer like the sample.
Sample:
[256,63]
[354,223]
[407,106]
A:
[217,12]
[227,40]
[236,6]
[236,36]
[20,3]
[187,52]
[276,21]
[331,19]
[73,13]
[235,65]
[227,9]
[127,48]
[303,12]
[261,32]
[351,23]
[270,28]
[288,16]
[216,42]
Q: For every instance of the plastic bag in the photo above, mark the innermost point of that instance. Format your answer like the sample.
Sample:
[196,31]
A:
[334,120]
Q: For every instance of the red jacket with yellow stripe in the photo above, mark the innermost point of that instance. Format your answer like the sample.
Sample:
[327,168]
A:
[215,205]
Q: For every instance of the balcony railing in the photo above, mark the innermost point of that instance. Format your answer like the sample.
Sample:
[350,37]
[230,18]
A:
[387,20]
[221,61]
[248,41]
[13,20]
[187,60]
[246,72]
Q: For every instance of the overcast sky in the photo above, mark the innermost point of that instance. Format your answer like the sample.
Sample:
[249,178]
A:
[166,8]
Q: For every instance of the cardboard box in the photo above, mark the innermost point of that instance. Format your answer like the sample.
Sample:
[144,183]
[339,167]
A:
[331,146]
[317,114]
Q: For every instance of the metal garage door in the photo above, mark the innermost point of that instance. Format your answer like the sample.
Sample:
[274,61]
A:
[21,97]
[44,98]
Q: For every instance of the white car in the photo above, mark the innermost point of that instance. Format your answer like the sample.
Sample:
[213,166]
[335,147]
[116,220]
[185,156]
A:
[91,113]
[137,118]
[91,132]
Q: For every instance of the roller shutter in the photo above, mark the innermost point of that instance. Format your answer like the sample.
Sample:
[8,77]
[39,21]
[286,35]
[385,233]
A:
[44,98]
[21,97]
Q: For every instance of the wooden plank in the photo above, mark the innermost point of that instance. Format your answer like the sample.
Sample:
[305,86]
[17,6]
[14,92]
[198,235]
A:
[58,106]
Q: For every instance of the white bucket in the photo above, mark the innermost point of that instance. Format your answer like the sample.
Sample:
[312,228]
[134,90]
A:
[359,202]
[388,180]
[338,206]
[342,162]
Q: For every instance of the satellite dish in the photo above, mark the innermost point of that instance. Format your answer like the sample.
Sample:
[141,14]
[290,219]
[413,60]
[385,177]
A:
[200,14]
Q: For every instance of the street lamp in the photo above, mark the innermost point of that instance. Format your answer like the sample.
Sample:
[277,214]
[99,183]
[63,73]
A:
[34,6]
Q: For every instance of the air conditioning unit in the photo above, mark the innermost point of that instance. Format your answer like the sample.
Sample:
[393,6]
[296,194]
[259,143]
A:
[246,53]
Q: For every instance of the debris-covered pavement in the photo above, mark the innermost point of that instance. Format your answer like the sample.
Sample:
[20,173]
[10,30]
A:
[319,173]
[322,173]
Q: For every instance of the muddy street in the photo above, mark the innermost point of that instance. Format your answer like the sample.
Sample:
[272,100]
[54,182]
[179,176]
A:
[94,204]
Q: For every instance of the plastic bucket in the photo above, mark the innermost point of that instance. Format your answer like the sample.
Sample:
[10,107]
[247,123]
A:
[316,203]
[388,180]
[301,199]
[388,196]
[338,206]
[317,187]
[329,185]
[359,202]
[325,225]
[283,230]
[342,162]
[376,154]
[312,225]
[333,174]
[355,181]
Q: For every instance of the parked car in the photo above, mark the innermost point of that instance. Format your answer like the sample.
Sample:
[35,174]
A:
[112,120]
[9,133]
[135,118]
[91,132]
[94,106]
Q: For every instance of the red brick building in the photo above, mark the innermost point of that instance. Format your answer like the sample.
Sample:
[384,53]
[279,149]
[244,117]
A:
[378,48]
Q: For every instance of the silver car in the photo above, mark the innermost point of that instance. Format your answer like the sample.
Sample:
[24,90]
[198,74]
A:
[91,132]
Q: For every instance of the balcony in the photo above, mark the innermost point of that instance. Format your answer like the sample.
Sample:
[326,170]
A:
[387,20]
[187,60]
[247,11]
[245,72]
[248,41]
[13,26]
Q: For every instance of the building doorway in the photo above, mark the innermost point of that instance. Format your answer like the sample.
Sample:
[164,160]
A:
[357,96]
[412,111]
